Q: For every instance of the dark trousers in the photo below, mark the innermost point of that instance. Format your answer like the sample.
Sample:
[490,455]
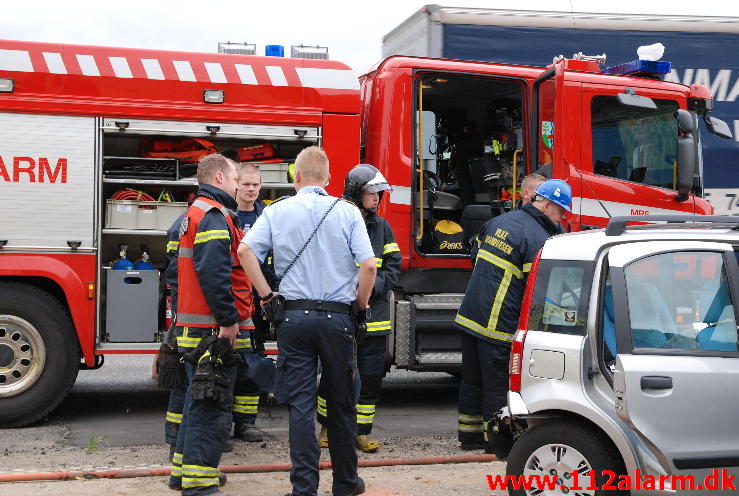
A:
[175,408]
[303,338]
[484,385]
[371,366]
[201,439]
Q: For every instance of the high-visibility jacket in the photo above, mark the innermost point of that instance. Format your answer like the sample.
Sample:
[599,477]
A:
[387,254]
[213,289]
[507,246]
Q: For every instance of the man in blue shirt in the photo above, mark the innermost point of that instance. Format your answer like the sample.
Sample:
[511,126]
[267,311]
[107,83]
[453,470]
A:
[319,282]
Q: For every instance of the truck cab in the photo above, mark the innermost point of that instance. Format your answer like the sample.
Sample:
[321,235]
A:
[456,139]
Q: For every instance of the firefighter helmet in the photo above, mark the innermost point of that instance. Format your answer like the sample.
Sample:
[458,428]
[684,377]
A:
[364,177]
[556,191]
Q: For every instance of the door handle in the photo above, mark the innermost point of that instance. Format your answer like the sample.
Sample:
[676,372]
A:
[656,382]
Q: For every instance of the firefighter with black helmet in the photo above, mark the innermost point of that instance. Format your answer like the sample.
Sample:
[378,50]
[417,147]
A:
[365,187]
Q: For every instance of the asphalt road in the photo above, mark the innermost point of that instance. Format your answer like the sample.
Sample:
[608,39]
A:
[122,402]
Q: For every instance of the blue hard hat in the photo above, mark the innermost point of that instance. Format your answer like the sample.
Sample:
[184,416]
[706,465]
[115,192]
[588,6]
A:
[556,191]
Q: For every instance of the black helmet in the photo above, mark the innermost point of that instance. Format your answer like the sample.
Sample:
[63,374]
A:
[364,177]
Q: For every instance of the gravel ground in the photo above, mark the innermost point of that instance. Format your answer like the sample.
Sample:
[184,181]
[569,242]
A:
[429,480]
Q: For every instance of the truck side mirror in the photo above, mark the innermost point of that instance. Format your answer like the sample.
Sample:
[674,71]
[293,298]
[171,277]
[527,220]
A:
[717,126]
[686,154]
[629,98]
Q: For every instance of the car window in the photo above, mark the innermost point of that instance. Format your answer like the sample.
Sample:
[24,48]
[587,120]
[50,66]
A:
[561,295]
[681,300]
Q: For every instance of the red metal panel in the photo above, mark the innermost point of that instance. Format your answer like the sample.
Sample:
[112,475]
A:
[341,142]
[73,273]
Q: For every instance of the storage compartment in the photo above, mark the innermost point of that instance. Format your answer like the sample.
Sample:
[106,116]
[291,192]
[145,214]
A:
[132,301]
[273,173]
[132,214]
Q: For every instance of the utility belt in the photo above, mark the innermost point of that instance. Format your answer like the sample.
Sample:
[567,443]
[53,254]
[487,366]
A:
[325,306]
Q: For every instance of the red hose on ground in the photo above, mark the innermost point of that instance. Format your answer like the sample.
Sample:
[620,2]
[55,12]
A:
[236,469]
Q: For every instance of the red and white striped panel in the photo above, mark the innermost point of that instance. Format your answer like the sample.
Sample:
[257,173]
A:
[176,66]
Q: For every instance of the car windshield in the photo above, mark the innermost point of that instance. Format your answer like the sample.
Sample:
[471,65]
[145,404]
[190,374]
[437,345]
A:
[635,144]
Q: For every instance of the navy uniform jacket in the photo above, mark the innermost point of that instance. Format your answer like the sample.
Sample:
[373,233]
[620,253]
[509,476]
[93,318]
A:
[507,246]
[388,258]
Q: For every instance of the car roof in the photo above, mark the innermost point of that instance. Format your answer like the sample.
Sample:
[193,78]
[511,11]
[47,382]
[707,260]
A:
[586,245]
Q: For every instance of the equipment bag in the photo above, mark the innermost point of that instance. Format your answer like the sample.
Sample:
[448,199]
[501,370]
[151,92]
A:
[256,153]
[448,237]
[187,151]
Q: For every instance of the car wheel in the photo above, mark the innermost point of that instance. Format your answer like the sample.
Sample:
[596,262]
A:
[39,354]
[566,453]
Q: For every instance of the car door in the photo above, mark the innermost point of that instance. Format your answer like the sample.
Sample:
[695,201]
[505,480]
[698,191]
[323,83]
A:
[677,366]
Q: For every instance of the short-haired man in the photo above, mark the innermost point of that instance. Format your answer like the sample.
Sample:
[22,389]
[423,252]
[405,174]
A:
[246,392]
[317,264]
[529,185]
[488,315]
[212,295]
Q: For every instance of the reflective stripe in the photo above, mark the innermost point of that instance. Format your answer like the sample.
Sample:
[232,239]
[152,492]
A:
[185,341]
[188,482]
[503,264]
[389,248]
[527,267]
[185,252]
[200,470]
[205,236]
[176,470]
[498,302]
[474,326]
[205,206]
[365,414]
[382,325]
[243,344]
[469,428]
[269,260]
[470,419]
[175,418]
[378,262]
[193,319]
[173,245]
[246,404]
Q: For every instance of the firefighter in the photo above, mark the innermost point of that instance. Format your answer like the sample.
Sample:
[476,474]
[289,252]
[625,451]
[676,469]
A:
[214,296]
[488,315]
[316,263]
[246,392]
[364,186]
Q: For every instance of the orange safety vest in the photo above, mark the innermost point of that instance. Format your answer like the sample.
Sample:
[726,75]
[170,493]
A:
[192,308]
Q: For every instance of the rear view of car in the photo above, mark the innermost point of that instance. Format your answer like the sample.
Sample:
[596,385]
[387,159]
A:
[624,371]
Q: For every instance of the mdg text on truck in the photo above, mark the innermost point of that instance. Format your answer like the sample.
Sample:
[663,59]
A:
[78,124]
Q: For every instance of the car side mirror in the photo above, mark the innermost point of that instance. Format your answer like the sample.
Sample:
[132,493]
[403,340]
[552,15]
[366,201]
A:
[717,126]
[686,154]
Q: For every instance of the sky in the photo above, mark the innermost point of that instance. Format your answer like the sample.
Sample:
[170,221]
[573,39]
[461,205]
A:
[351,30]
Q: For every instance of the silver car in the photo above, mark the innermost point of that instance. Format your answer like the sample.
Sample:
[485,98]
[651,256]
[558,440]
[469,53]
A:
[625,370]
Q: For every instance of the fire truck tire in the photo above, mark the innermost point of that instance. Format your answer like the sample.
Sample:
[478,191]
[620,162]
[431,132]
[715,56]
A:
[39,354]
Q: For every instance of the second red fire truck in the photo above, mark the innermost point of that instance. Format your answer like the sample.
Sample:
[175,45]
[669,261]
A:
[96,160]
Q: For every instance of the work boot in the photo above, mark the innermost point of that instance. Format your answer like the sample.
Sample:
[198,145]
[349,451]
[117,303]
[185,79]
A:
[367,445]
[248,432]
[323,438]
[177,486]
[228,447]
[359,488]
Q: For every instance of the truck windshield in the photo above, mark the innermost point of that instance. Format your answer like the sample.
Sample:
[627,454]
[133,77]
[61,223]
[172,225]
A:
[635,144]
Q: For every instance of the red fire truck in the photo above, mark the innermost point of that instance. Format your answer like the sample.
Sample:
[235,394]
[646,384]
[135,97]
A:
[79,123]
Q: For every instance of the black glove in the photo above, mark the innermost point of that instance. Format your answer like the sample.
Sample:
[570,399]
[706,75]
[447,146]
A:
[169,367]
[209,382]
[360,321]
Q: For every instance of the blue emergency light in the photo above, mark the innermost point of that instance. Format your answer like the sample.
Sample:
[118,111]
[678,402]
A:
[649,68]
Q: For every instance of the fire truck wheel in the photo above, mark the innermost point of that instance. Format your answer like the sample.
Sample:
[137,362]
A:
[39,354]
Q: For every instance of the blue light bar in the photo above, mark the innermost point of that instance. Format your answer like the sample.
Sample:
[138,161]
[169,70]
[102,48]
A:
[637,67]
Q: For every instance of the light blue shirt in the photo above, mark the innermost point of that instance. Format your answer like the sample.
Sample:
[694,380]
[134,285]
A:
[327,270]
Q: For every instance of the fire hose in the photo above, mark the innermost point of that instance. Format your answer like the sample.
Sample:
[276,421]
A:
[236,469]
